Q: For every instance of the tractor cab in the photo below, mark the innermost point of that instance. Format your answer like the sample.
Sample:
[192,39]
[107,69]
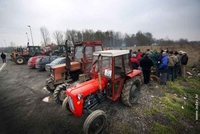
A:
[80,63]
[114,65]
[112,78]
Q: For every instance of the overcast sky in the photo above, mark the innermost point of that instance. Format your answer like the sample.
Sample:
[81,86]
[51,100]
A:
[174,19]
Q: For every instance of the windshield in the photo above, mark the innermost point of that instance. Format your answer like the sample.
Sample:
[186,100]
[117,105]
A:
[105,65]
[78,53]
[88,52]
[98,48]
[56,61]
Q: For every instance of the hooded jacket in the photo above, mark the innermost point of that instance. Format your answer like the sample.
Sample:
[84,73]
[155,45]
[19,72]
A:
[172,60]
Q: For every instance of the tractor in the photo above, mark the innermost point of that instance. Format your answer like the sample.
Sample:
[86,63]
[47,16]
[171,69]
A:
[60,51]
[77,69]
[20,56]
[112,78]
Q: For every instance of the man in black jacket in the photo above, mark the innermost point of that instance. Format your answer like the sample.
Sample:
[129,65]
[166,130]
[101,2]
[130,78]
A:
[3,56]
[184,60]
[146,63]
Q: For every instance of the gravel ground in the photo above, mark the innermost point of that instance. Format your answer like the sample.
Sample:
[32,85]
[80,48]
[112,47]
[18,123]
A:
[23,111]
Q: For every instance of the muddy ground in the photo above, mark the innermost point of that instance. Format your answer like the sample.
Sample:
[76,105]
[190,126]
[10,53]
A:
[23,111]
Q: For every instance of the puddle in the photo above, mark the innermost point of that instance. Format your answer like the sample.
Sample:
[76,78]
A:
[48,99]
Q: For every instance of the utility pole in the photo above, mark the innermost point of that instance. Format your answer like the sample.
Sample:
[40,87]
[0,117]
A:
[31,34]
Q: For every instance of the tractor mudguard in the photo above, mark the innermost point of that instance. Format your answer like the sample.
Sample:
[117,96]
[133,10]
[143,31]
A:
[134,73]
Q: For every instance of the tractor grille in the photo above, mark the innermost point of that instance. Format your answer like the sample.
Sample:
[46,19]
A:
[71,105]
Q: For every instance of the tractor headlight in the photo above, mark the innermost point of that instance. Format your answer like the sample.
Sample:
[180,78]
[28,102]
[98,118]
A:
[80,96]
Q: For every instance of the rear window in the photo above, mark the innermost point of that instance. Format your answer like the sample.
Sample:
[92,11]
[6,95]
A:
[45,59]
[52,58]
[38,60]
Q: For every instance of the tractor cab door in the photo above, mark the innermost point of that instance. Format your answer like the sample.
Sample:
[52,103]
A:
[118,78]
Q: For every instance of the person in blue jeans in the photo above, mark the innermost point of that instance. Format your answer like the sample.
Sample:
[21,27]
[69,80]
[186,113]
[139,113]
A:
[3,56]
[163,68]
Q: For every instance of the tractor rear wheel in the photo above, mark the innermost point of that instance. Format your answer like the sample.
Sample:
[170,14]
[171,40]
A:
[131,91]
[65,106]
[20,60]
[95,122]
[59,93]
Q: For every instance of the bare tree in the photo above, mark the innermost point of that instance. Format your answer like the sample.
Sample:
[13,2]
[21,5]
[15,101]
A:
[58,36]
[45,35]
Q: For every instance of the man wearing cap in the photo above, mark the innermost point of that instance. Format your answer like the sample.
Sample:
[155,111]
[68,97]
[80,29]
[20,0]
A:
[184,60]
[164,68]
[146,63]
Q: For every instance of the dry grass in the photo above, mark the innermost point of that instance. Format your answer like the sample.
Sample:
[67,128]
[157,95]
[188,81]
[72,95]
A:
[193,51]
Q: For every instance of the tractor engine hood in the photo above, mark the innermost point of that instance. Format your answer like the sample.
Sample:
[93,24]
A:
[87,87]
[84,89]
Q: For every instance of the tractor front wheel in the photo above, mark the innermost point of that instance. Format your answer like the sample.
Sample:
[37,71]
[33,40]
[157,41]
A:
[50,85]
[20,60]
[59,93]
[131,91]
[95,122]
[65,106]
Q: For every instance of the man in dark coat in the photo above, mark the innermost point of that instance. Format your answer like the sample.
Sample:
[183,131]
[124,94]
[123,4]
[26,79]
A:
[3,56]
[158,62]
[146,63]
[184,61]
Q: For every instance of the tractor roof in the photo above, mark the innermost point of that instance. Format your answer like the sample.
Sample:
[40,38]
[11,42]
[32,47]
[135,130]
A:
[111,52]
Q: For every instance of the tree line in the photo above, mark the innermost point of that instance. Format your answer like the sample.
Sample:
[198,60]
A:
[109,38]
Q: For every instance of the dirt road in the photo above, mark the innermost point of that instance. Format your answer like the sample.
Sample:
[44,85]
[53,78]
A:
[23,111]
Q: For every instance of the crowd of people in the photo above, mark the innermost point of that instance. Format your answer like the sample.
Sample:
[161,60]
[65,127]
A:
[168,64]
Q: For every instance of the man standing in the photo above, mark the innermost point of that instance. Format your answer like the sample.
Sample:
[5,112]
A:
[3,56]
[184,61]
[158,62]
[139,54]
[177,65]
[171,69]
[163,68]
[146,63]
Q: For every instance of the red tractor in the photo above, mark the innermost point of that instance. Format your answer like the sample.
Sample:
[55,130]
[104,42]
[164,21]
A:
[76,69]
[112,78]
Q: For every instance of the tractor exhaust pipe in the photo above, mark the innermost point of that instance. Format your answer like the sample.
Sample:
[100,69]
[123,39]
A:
[99,74]
[67,60]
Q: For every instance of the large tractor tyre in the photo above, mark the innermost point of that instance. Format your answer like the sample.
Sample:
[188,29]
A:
[95,122]
[50,85]
[59,93]
[65,106]
[131,91]
[20,60]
